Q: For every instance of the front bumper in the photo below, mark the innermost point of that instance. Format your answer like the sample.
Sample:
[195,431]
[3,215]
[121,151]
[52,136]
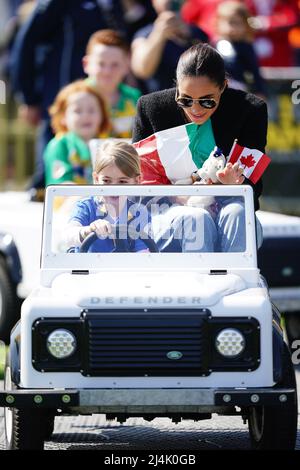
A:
[146,400]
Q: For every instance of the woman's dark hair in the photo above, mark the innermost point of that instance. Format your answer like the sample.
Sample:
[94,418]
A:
[202,60]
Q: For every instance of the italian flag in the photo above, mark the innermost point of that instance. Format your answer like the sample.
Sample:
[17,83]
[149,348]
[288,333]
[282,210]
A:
[254,161]
[170,155]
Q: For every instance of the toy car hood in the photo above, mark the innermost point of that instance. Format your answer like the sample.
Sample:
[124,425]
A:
[138,289]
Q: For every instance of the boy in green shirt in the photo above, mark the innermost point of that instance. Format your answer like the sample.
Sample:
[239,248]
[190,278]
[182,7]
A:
[107,62]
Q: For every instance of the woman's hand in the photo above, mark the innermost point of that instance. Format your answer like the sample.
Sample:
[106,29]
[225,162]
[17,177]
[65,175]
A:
[231,174]
[101,227]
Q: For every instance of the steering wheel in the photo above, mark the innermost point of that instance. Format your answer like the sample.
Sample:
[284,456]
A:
[120,233]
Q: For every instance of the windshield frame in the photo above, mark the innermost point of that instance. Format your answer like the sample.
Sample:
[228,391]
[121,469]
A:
[137,261]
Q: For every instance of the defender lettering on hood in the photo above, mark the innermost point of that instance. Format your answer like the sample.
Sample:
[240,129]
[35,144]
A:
[143,300]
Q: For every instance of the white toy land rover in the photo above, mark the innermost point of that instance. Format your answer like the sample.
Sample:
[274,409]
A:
[148,316]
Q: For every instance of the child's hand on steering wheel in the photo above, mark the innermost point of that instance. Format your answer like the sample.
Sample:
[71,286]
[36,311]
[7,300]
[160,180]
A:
[101,227]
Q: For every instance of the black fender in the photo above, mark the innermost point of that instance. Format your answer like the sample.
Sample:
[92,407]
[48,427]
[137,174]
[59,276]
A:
[278,345]
[10,253]
[14,350]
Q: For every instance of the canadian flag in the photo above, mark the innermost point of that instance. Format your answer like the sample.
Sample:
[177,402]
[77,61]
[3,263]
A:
[253,161]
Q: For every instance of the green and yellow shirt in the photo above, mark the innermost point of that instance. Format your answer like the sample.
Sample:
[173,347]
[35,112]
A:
[123,112]
[67,159]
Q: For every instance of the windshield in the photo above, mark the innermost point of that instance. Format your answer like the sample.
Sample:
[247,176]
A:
[141,224]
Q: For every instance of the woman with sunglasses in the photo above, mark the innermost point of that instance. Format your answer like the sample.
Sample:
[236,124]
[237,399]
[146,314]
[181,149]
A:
[203,97]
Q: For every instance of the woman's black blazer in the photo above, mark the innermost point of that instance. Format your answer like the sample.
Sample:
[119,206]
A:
[240,115]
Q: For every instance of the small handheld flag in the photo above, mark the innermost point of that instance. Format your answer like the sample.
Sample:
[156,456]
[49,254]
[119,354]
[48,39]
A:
[253,161]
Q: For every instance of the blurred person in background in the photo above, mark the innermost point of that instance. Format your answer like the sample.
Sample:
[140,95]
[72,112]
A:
[107,63]
[137,14]
[60,31]
[12,16]
[156,48]
[78,115]
[272,21]
[202,13]
[235,44]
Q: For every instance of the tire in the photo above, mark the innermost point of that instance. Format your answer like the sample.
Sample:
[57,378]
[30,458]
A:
[27,428]
[49,424]
[8,303]
[275,427]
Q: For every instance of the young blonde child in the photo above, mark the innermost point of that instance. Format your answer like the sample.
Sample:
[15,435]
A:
[116,162]
[107,63]
[78,114]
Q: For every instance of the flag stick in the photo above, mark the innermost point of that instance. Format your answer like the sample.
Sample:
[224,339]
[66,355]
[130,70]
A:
[232,148]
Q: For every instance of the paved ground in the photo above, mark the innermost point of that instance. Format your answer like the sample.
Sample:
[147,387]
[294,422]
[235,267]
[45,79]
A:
[93,432]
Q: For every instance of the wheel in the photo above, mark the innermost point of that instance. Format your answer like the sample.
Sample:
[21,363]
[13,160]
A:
[25,429]
[292,327]
[8,303]
[275,427]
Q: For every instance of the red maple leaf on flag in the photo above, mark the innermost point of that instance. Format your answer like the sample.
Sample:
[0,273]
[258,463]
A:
[248,161]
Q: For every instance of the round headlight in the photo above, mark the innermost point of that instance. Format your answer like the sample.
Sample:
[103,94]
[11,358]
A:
[61,343]
[230,342]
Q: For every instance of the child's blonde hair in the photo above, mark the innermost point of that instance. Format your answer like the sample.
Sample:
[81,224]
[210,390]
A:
[121,154]
[58,109]
[108,37]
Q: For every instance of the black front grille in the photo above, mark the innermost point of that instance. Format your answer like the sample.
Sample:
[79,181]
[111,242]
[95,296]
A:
[146,344]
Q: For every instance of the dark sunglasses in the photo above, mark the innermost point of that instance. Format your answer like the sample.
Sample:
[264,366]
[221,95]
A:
[207,103]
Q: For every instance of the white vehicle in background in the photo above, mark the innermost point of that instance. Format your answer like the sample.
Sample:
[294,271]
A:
[176,334]
[20,244]
[279,262]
